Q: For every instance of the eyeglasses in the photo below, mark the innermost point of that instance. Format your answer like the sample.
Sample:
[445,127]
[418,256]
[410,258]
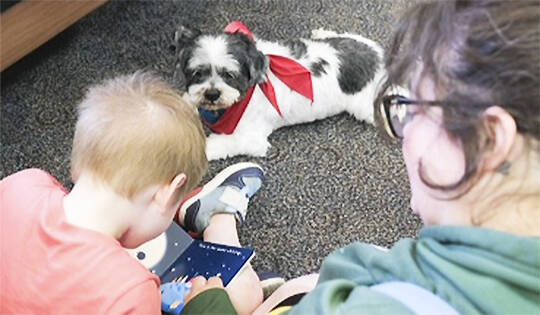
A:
[396,114]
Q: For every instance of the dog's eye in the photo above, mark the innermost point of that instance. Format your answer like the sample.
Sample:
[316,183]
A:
[230,75]
[196,74]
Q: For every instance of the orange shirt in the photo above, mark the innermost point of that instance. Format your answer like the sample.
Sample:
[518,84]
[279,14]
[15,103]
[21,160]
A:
[51,267]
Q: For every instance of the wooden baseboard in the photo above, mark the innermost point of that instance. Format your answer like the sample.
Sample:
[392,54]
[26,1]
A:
[30,23]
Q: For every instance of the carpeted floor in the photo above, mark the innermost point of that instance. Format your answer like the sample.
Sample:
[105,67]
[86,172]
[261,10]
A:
[328,183]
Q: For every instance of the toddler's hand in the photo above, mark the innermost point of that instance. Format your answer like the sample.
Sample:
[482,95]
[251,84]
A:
[200,284]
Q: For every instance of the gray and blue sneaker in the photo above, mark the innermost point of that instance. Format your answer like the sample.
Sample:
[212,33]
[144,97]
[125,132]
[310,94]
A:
[228,192]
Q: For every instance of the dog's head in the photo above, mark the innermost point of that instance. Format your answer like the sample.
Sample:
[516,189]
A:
[216,70]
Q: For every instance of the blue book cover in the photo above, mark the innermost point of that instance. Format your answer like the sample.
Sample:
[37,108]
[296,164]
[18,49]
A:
[175,254]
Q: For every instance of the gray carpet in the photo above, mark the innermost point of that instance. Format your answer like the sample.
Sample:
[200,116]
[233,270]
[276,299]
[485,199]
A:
[329,183]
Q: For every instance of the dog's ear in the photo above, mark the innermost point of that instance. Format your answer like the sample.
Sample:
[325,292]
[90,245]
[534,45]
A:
[257,66]
[256,61]
[180,65]
[183,36]
[182,46]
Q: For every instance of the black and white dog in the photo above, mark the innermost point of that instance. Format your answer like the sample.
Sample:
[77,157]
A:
[245,88]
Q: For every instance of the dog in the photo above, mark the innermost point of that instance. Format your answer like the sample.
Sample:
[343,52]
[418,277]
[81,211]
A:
[245,88]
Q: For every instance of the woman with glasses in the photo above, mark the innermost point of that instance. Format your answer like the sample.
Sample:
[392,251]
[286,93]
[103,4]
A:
[470,134]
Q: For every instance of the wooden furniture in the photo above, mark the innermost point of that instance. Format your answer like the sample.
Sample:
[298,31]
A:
[30,23]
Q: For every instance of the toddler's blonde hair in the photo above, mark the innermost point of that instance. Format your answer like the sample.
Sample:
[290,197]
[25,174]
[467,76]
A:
[134,131]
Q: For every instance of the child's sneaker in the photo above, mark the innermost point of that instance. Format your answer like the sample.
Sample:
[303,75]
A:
[228,192]
[270,282]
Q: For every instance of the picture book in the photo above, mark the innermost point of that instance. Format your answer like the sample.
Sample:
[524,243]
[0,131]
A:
[175,255]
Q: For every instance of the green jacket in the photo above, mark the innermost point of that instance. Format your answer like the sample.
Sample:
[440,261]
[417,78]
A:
[213,301]
[475,270]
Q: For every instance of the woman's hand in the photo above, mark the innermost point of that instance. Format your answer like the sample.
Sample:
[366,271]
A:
[200,284]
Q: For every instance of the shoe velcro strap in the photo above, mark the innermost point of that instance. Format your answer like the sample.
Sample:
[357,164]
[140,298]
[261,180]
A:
[235,199]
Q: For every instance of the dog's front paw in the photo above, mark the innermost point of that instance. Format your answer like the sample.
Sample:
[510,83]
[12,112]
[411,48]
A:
[223,146]
[322,34]
[259,149]
[216,149]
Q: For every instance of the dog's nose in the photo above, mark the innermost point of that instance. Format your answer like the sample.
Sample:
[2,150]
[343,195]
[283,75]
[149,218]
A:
[212,94]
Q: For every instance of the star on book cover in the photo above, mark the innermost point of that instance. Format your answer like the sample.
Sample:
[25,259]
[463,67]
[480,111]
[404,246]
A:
[175,254]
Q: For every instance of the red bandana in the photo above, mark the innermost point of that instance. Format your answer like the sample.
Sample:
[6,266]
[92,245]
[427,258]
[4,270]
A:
[290,72]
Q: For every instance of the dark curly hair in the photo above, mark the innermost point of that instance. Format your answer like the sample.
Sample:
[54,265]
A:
[478,53]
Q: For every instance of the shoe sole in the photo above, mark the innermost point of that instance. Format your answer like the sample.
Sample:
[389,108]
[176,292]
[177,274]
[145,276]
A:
[214,183]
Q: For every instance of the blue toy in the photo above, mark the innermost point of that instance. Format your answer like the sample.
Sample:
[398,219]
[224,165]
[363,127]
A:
[172,296]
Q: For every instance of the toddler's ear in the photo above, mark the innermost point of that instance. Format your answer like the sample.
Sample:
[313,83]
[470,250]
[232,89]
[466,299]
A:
[167,195]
